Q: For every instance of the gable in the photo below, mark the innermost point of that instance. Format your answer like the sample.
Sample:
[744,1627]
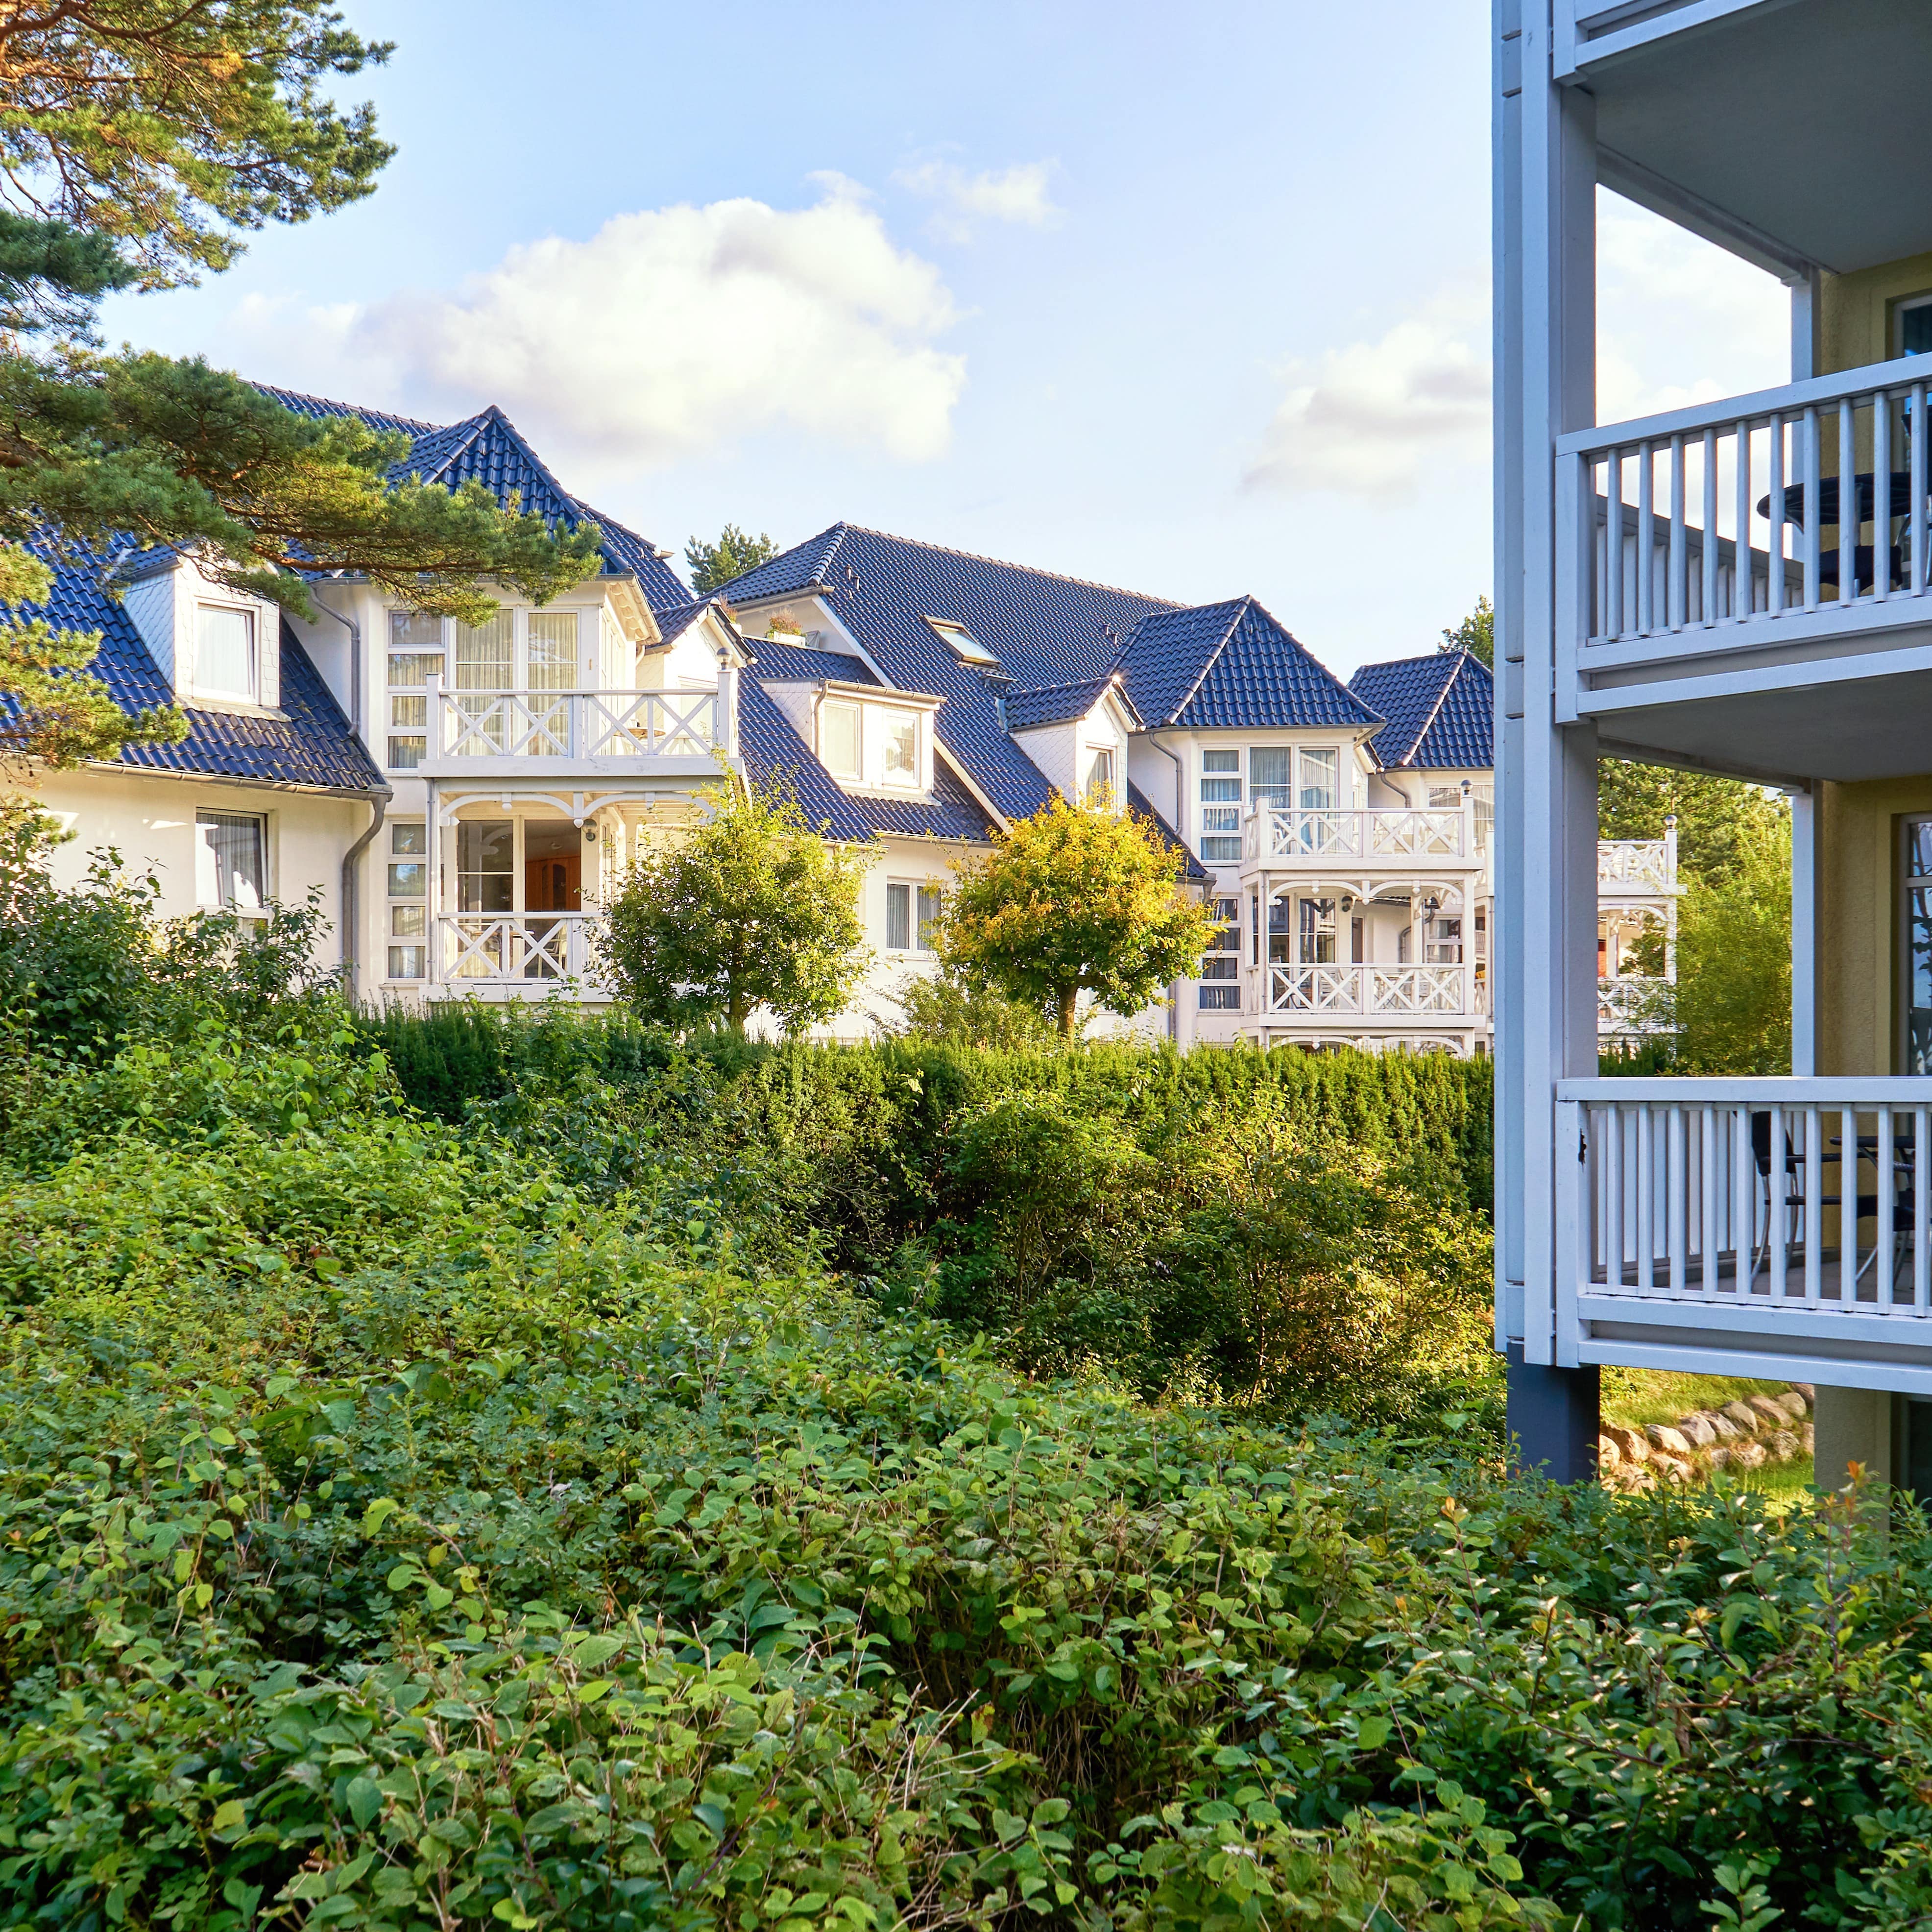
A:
[1440,710]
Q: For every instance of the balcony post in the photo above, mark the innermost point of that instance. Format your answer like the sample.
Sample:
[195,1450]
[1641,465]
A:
[433,690]
[1552,1417]
[433,880]
[1804,936]
[726,728]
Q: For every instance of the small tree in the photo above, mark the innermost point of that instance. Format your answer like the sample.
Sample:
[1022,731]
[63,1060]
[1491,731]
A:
[1476,633]
[731,556]
[1074,901]
[748,906]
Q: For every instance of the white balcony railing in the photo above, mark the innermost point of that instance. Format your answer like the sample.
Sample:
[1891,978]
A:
[1635,866]
[1629,1006]
[1765,1198]
[573,724]
[526,953]
[1377,991]
[1280,834]
[1660,511]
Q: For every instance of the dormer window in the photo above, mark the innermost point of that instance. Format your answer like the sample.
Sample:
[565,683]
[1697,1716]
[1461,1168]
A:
[225,660]
[838,739]
[1101,789]
[962,642]
[901,748]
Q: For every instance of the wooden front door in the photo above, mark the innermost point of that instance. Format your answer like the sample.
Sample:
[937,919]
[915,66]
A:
[554,884]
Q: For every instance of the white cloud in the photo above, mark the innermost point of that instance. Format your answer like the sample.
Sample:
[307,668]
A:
[1366,418]
[669,333]
[1679,320]
[1017,194]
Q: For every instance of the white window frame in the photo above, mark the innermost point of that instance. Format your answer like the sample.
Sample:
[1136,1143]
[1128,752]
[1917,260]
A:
[855,775]
[1089,785]
[1225,957]
[1900,310]
[922,904]
[1220,841]
[891,720]
[396,942]
[206,865]
[251,617]
[399,725]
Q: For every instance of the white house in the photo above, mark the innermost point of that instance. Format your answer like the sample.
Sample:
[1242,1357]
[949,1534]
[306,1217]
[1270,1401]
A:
[1743,586]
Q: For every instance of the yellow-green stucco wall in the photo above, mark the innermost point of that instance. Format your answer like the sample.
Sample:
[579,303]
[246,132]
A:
[1856,826]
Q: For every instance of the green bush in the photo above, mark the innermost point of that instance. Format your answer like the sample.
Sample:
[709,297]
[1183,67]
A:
[536,1563]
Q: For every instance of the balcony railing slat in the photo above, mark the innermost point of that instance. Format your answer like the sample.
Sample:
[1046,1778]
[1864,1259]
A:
[575,724]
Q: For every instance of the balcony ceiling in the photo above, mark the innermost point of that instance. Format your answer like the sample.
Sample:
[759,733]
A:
[1810,122]
[1863,728]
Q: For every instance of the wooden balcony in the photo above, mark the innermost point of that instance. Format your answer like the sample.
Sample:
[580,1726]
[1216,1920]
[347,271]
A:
[1776,1228]
[1395,994]
[1283,838]
[477,736]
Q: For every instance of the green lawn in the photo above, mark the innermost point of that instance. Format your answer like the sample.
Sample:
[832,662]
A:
[1634,1397]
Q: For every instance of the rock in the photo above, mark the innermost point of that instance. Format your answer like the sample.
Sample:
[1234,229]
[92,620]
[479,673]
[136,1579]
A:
[1696,1429]
[1630,1444]
[1769,1410]
[1784,1446]
[1810,1394]
[1728,1431]
[1749,1456]
[1720,1458]
[1747,1418]
[1674,1468]
[1792,1405]
[1808,1436]
[1608,1456]
[1666,1440]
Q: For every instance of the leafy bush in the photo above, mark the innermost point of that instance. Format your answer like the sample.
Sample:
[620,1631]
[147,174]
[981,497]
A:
[499,1552]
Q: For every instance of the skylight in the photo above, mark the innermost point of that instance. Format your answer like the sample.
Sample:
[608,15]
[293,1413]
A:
[963,642]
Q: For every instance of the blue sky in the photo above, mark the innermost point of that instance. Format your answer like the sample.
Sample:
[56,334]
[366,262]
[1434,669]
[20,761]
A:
[1191,300]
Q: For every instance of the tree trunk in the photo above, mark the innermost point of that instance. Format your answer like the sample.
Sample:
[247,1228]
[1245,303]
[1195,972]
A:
[1069,997]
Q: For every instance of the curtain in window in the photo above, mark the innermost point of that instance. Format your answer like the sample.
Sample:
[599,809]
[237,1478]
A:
[229,868]
[1318,792]
[485,657]
[553,650]
[898,919]
[225,652]
[1268,780]
[928,916]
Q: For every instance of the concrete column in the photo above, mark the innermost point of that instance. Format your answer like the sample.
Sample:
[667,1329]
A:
[1554,1415]
[1866,1427]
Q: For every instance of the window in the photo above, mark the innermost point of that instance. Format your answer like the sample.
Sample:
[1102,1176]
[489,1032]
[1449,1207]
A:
[1318,932]
[961,641]
[1099,790]
[1916,931]
[415,656]
[1441,941]
[1268,782]
[1445,798]
[409,901]
[486,850]
[1318,788]
[838,739]
[1220,806]
[1220,965]
[901,748]
[224,658]
[230,867]
[553,650]
[901,901]
[1913,326]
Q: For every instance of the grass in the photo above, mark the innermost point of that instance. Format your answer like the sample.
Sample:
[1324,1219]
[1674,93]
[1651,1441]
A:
[1633,1396]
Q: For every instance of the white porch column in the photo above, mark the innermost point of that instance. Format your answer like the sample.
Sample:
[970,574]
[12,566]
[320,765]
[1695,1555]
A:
[1804,938]
[432,882]
[1543,956]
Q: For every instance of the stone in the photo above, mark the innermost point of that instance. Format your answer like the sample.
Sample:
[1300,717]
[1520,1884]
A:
[1720,1458]
[1608,1455]
[1696,1429]
[1666,1440]
[1630,1444]
[1674,1468]
[1747,1418]
[1810,1394]
[1749,1456]
[1728,1431]
[1809,1437]
[1769,1410]
[1784,1446]
[1792,1405]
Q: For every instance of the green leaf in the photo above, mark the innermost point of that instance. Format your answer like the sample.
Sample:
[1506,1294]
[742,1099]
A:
[379,1512]
[230,1817]
[364,1798]
[1374,1732]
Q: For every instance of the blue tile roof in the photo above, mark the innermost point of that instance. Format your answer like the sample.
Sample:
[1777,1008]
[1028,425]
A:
[1044,630]
[774,659]
[311,744]
[489,448]
[1226,667]
[1027,709]
[1441,710]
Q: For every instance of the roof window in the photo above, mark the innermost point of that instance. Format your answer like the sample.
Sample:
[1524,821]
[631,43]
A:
[963,642]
